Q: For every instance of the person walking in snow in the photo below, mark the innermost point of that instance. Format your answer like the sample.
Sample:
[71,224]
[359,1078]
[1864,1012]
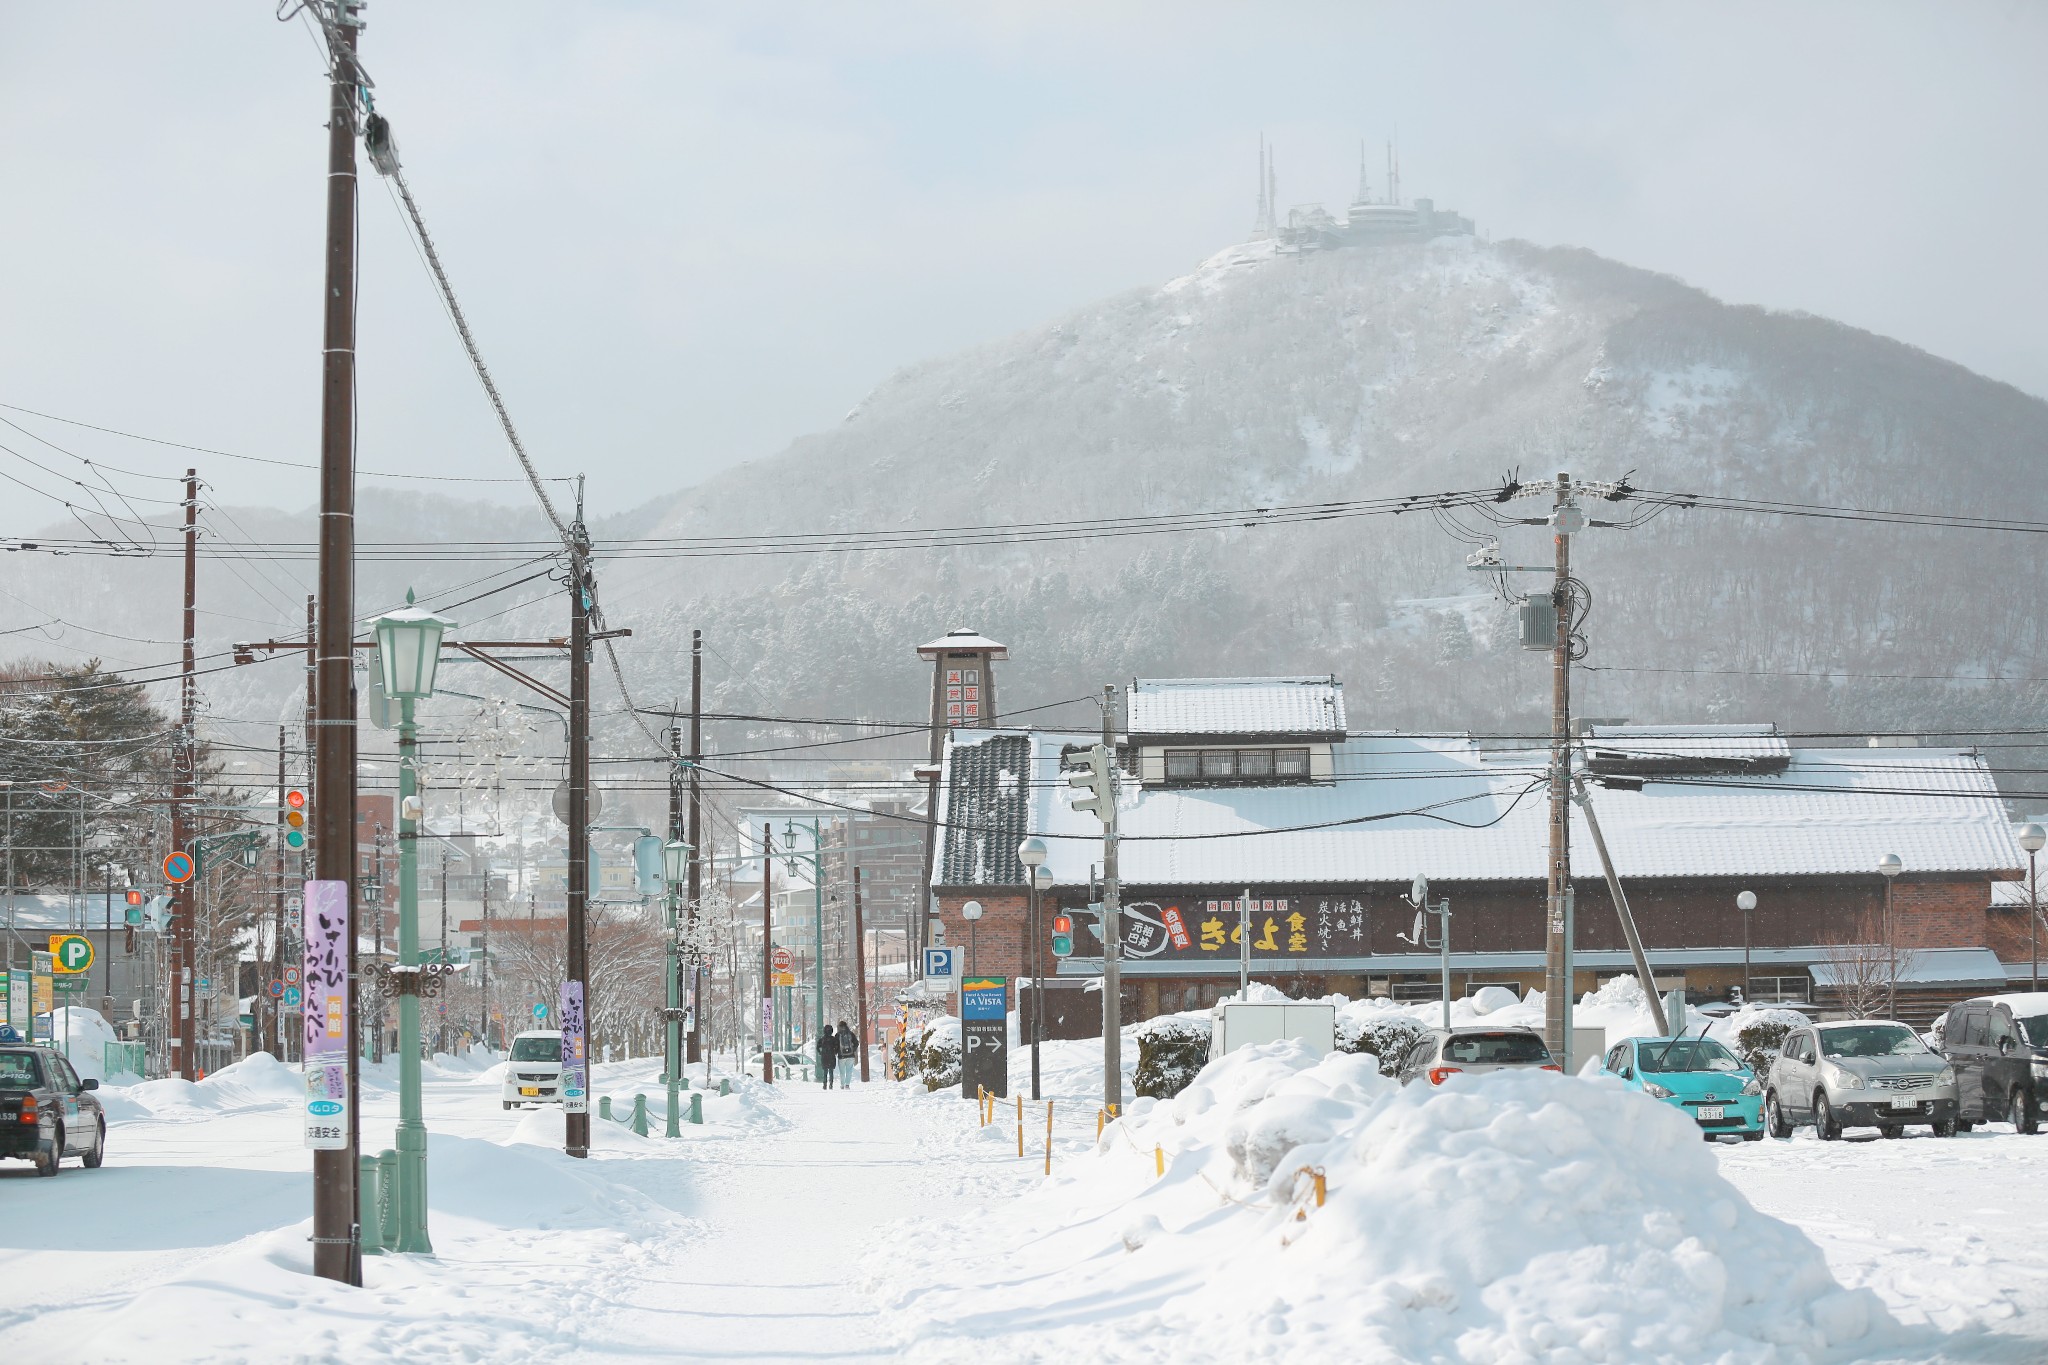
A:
[827,1052]
[846,1048]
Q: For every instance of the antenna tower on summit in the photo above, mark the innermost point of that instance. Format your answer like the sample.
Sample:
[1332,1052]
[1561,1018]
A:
[1267,224]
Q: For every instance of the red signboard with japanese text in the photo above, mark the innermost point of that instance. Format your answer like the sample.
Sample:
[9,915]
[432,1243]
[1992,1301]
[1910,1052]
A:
[1282,927]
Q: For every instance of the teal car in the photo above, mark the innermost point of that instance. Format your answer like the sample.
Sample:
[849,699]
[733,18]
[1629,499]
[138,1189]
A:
[1697,1075]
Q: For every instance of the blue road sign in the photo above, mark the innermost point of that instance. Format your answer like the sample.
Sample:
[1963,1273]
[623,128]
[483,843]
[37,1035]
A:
[540,1011]
[939,961]
[291,997]
[983,997]
[276,988]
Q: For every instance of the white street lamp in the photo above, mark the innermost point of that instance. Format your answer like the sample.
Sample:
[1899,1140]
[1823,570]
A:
[1032,853]
[675,861]
[2031,839]
[1890,867]
[971,912]
[1745,901]
[409,650]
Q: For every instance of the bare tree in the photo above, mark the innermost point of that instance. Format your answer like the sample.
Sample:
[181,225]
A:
[1863,967]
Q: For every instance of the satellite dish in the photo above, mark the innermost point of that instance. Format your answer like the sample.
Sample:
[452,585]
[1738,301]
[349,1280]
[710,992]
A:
[1418,894]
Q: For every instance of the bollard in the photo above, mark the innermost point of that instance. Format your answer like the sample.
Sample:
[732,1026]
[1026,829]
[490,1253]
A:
[697,1108]
[387,1197]
[1158,1159]
[675,1111]
[640,1115]
[724,1085]
[1020,1124]
[1098,1125]
[1048,1137]
[685,1080]
[604,1106]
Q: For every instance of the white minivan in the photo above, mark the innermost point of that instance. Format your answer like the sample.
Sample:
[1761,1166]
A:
[533,1073]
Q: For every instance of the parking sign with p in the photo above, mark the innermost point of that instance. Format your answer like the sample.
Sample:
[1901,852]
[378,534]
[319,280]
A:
[70,954]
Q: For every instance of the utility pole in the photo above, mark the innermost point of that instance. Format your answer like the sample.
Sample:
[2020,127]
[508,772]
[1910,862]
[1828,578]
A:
[672,1058]
[767,952]
[184,1053]
[578,1122]
[696,882]
[860,964]
[337,1251]
[1565,518]
[1112,926]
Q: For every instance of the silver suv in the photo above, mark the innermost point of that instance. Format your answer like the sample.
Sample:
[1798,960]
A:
[1859,1073]
[1444,1053]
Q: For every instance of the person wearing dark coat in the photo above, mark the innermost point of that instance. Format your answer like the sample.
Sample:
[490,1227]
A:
[827,1053]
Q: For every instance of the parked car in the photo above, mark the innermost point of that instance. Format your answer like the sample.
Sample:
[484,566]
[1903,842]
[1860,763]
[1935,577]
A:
[1472,1048]
[1998,1045]
[46,1112]
[533,1073]
[1696,1075]
[798,1062]
[1858,1073]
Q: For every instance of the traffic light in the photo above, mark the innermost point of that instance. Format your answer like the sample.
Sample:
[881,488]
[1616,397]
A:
[133,914]
[1088,771]
[1062,935]
[294,819]
[156,914]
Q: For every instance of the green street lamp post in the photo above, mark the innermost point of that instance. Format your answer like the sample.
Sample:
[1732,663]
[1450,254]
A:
[408,652]
[816,859]
[675,866]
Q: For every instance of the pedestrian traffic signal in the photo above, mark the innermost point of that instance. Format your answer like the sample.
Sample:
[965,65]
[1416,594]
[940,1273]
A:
[1062,935]
[294,819]
[1088,769]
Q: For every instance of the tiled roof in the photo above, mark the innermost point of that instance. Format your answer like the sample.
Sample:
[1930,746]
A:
[1402,805]
[985,809]
[1234,706]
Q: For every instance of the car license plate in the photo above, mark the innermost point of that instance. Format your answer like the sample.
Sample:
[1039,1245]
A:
[529,1090]
[1709,1112]
[1905,1104]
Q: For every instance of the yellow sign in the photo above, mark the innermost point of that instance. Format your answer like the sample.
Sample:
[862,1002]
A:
[785,978]
[70,954]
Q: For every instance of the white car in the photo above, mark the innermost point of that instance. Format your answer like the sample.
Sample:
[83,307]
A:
[533,1075]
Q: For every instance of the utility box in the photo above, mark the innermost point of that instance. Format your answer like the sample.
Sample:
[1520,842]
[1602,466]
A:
[1311,1023]
[1539,623]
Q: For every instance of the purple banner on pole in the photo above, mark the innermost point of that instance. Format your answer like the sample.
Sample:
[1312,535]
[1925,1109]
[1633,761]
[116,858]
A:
[325,934]
[575,1051]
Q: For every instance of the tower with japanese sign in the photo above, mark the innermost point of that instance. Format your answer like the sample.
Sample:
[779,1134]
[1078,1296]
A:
[963,696]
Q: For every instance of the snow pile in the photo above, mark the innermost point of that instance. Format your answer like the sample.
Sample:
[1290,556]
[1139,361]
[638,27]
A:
[257,1081]
[1765,1027]
[83,1035]
[1515,1216]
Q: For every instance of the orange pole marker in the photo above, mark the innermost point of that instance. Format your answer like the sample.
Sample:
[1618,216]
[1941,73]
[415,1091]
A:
[1048,1137]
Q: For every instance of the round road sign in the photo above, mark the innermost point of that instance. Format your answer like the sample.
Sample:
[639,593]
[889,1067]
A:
[782,959]
[70,953]
[291,976]
[540,1011]
[178,867]
[276,989]
[291,997]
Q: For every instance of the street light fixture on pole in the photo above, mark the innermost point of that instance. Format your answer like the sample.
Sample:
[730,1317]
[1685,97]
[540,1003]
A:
[1032,853]
[971,912]
[675,866]
[408,653]
[2031,839]
[1745,901]
[1890,867]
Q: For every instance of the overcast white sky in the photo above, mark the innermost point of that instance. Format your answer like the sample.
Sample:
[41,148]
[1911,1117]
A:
[688,233]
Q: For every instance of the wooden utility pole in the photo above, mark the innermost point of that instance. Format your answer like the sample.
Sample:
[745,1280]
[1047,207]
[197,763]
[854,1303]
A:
[1112,926]
[767,952]
[277,1048]
[337,1251]
[860,963]
[184,764]
[696,880]
[578,1123]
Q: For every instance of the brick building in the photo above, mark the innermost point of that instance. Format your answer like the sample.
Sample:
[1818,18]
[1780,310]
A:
[1255,789]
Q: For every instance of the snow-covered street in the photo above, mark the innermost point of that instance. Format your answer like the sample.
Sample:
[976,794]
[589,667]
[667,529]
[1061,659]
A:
[803,1224]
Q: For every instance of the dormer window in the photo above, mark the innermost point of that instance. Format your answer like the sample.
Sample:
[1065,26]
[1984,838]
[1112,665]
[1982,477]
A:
[1237,765]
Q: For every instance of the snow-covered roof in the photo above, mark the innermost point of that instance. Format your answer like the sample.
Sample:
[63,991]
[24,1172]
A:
[1401,805]
[1751,742]
[963,641]
[1931,967]
[1192,707]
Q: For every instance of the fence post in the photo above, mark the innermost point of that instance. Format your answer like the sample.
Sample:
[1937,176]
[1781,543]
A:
[724,1085]
[1020,1123]
[604,1106]
[369,1223]
[640,1115]
[697,1107]
[387,1196]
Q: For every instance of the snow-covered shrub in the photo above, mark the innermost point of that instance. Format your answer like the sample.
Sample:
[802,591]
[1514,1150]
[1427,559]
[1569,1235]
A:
[1756,1032]
[1171,1049]
[1393,1038]
[938,1054]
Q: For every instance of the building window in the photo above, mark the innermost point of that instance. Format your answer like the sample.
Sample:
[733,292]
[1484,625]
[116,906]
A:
[1236,765]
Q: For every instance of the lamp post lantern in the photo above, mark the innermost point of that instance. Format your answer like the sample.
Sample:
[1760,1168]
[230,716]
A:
[1037,876]
[1745,901]
[971,912]
[2031,839]
[408,655]
[1889,867]
[675,869]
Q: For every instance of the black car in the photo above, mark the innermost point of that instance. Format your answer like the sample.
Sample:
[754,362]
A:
[1998,1045]
[46,1112]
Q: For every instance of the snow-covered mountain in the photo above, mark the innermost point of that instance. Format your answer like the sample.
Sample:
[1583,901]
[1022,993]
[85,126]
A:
[1263,379]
